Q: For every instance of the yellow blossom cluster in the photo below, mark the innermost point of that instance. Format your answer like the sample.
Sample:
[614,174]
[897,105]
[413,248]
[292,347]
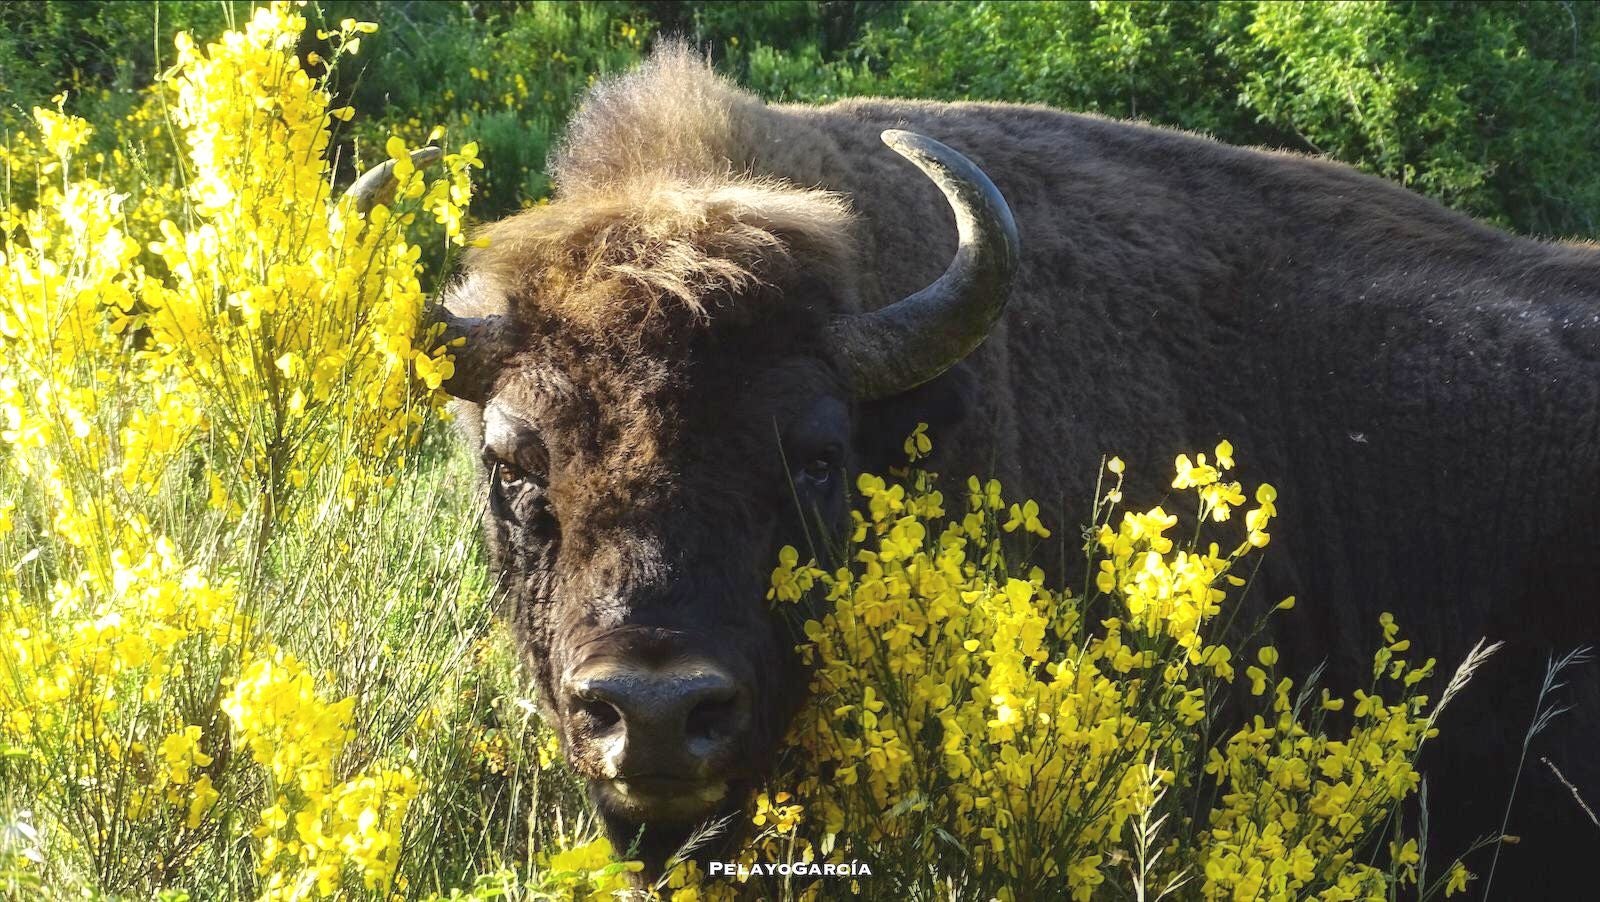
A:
[975,727]
[237,341]
[87,674]
[586,871]
[318,825]
[311,319]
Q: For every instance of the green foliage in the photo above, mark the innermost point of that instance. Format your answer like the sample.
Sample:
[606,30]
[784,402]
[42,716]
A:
[101,53]
[1489,107]
[506,76]
[1158,61]
[786,51]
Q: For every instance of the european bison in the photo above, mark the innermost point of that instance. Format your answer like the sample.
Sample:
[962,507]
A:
[723,313]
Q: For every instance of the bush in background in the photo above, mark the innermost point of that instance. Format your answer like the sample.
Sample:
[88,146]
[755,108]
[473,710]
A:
[1488,107]
[1491,108]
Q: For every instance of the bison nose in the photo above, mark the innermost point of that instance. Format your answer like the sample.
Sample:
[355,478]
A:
[666,722]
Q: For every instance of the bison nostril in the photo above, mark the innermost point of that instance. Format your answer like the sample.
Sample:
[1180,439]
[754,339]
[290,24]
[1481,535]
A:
[712,718]
[662,719]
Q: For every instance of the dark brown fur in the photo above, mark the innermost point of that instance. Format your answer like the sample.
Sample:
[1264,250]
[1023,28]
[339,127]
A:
[1424,389]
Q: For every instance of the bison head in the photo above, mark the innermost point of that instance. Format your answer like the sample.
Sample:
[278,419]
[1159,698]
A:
[666,382]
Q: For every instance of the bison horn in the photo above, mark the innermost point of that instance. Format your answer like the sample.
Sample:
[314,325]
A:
[898,347]
[486,341]
[489,342]
[376,185]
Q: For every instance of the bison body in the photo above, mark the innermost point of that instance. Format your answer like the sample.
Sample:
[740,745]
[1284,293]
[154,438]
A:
[1424,390]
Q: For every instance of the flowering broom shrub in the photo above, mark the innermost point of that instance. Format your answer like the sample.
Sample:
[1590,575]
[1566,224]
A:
[979,733]
[230,661]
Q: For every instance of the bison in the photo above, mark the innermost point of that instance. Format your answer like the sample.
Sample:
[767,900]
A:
[728,307]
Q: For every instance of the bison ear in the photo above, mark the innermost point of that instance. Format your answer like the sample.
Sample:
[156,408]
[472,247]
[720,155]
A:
[882,425]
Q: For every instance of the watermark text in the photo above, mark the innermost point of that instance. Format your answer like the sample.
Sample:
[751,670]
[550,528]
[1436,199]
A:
[789,869]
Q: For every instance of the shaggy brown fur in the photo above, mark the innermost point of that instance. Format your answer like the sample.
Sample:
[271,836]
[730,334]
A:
[1424,389]
[645,246]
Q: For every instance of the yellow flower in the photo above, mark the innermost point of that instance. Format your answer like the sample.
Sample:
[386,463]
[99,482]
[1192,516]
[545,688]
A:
[1026,516]
[1193,475]
[1219,499]
[917,444]
[201,799]
[181,751]
[1225,454]
[587,870]
[60,134]
[1258,679]
[1457,883]
[984,496]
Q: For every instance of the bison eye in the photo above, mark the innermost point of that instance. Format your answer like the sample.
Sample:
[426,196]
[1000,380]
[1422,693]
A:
[514,486]
[524,463]
[509,475]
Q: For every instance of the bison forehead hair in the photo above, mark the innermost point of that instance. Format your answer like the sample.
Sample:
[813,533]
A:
[671,117]
[654,252]
[652,218]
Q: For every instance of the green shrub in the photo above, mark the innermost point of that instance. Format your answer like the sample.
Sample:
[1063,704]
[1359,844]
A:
[507,79]
[1488,107]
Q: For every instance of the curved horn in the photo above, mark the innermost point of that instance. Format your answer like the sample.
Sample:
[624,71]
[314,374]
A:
[489,342]
[486,341]
[376,185]
[901,346]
